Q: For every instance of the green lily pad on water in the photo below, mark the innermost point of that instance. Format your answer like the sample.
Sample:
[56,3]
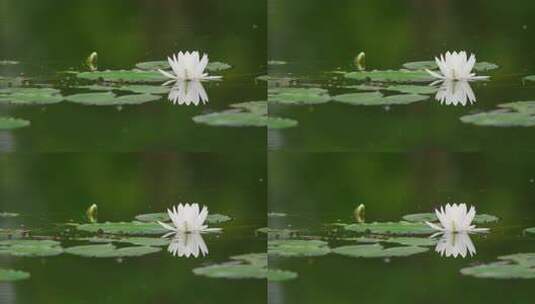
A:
[431,65]
[500,270]
[256,107]
[213,66]
[277,275]
[8,62]
[110,251]
[431,217]
[257,259]
[391,228]
[8,214]
[28,96]
[10,275]
[378,251]
[412,89]
[213,218]
[9,123]
[412,241]
[140,241]
[110,99]
[500,118]
[133,76]
[390,76]
[297,248]
[530,230]
[525,107]
[231,119]
[30,248]
[377,99]
[126,228]
[298,96]
[232,271]
[277,62]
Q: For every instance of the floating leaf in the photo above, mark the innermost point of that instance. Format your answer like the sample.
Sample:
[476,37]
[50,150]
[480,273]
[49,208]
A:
[525,259]
[390,76]
[8,62]
[280,123]
[277,214]
[277,275]
[124,76]
[412,241]
[412,89]
[526,107]
[213,66]
[377,251]
[110,251]
[376,98]
[500,118]
[129,228]
[431,217]
[431,65]
[40,96]
[256,107]
[396,228]
[9,275]
[9,123]
[30,248]
[213,218]
[144,89]
[298,96]
[110,99]
[530,230]
[500,270]
[257,259]
[141,241]
[231,119]
[232,271]
[8,214]
[277,62]
[295,248]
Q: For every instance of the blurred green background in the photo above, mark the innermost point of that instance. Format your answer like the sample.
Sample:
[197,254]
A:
[50,189]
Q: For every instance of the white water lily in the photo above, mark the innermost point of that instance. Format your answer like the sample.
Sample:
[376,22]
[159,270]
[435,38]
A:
[188,66]
[453,92]
[456,218]
[456,66]
[188,218]
[188,244]
[455,244]
[187,93]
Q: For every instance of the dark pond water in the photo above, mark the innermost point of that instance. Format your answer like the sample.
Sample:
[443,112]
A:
[50,190]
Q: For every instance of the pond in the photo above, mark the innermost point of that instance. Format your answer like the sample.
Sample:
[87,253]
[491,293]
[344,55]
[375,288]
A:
[51,193]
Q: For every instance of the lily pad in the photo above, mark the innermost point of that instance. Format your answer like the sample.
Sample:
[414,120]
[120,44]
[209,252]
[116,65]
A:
[431,65]
[376,99]
[525,259]
[135,76]
[231,119]
[530,230]
[256,107]
[412,241]
[144,89]
[388,228]
[126,228]
[30,248]
[10,275]
[8,214]
[29,96]
[390,76]
[8,62]
[277,275]
[280,123]
[110,99]
[526,107]
[378,251]
[213,218]
[110,251]
[257,259]
[412,89]
[277,62]
[141,241]
[500,270]
[298,96]
[213,66]
[500,118]
[9,123]
[232,271]
[431,217]
[297,248]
